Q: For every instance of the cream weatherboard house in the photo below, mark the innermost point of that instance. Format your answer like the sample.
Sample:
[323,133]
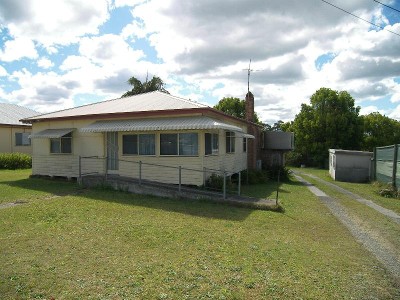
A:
[158,130]
[14,135]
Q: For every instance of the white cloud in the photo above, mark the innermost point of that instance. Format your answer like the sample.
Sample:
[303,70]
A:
[109,49]
[45,63]
[18,48]
[53,22]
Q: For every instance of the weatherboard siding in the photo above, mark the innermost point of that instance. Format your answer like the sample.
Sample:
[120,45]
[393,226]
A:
[8,142]
[92,148]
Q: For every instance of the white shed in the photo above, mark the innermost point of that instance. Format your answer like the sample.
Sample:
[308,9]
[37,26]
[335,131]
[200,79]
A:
[349,165]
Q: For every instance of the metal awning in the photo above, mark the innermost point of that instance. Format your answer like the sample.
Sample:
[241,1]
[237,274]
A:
[161,124]
[51,133]
[248,136]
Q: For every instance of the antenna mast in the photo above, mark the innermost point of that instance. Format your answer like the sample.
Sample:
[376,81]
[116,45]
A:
[248,77]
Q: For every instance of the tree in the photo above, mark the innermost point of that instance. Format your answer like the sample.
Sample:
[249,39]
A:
[331,121]
[379,130]
[155,84]
[235,107]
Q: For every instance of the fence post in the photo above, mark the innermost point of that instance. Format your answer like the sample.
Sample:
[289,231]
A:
[224,186]
[140,172]
[204,177]
[80,170]
[180,178]
[394,165]
[373,175]
[239,182]
[106,167]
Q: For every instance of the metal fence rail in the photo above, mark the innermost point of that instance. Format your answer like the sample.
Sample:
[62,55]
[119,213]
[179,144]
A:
[95,165]
[387,164]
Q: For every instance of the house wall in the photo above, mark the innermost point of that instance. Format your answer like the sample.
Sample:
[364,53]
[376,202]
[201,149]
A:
[350,166]
[7,139]
[94,145]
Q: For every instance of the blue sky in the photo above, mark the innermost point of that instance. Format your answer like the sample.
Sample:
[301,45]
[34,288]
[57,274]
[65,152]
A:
[58,54]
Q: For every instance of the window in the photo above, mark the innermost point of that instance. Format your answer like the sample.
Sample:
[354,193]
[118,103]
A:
[22,139]
[130,144]
[211,143]
[147,144]
[62,144]
[179,144]
[188,144]
[244,144]
[230,142]
[142,144]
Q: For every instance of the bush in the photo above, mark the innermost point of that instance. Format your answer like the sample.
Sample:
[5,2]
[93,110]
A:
[255,176]
[12,161]
[216,182]
[387,190]
[283,172]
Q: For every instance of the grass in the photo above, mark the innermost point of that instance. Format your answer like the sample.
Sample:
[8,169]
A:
[102,244]
[366,190]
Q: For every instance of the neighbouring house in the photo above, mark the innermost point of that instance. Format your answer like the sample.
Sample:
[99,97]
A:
[349,165]
[14,135]
[151,130]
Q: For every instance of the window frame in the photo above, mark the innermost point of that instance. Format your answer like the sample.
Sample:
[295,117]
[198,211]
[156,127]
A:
[24,136]
[139,137]
[230,142]
[178,143]
[62,143]
[244,145]
[213,143]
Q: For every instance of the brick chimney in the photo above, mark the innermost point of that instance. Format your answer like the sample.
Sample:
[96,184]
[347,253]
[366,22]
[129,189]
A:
[249,107]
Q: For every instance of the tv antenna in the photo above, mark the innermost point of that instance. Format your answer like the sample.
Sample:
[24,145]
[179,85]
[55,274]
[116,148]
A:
[249,70]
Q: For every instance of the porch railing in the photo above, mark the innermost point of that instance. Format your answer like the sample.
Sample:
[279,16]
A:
[216,180]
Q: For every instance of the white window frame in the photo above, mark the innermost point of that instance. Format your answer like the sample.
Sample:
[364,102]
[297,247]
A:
[179,144]
[230,141]
[214,143]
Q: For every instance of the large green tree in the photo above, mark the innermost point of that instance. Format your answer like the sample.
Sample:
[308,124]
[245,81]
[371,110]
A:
[330,121]
[235,107]
[138,87]
[379,130]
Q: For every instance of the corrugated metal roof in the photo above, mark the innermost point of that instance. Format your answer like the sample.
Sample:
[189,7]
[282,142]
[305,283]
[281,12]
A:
[185,123]
[153,101]
[51,133]
[10,114]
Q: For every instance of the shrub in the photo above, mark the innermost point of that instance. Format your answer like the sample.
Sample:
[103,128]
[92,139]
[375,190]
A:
[216,182]
[12,161]
[254,176]
[387,190]
[283,172]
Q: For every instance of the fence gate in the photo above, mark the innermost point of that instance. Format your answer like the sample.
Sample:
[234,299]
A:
[112,151]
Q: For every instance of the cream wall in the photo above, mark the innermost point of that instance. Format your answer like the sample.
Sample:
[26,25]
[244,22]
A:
[93,144]
[7,139]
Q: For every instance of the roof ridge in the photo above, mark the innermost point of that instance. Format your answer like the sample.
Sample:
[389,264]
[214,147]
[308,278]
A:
[137,95]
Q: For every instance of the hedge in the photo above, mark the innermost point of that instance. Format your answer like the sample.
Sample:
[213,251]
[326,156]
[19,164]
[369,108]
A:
[12,161]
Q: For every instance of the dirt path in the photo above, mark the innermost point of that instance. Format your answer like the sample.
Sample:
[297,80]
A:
[387,212]
[388,256]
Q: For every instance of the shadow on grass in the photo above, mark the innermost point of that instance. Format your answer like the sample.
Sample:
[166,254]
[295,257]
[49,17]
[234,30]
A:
[57,186]
[199,208]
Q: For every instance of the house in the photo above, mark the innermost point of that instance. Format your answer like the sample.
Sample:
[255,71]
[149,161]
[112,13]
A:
[153,134]
[14,135]
[350,166]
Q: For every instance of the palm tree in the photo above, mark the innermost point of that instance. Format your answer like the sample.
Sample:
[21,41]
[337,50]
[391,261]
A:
[155,84]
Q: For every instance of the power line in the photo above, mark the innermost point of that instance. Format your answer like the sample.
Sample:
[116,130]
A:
[347,12]
[387,6]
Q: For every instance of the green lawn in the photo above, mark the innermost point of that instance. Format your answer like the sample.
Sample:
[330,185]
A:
[69,243]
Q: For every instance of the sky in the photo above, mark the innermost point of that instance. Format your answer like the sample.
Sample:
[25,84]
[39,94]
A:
[58,54]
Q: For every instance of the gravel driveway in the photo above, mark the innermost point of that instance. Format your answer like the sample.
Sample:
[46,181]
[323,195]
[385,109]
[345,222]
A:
[388,256]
